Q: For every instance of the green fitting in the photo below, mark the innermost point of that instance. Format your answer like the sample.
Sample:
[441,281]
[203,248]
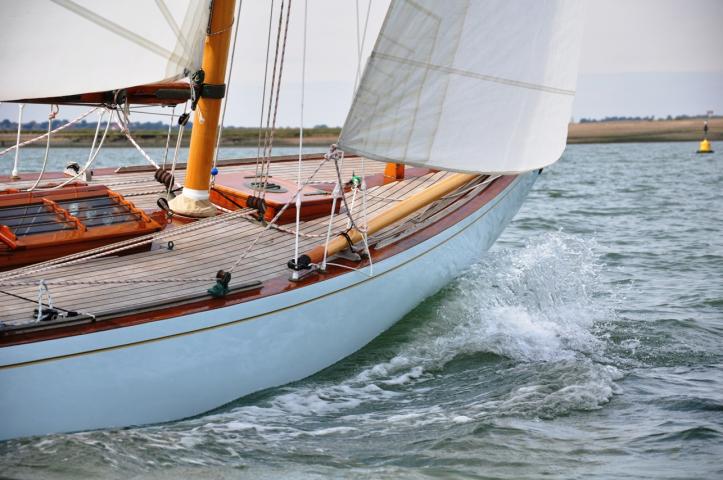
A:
[219,290]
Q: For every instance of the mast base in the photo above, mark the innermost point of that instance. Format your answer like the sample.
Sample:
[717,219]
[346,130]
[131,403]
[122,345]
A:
[191,207]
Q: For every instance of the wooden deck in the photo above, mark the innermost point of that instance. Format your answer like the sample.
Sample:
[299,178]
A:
[102,286]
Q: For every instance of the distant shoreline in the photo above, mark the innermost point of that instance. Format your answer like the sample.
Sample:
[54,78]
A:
[629,131]
[625,131]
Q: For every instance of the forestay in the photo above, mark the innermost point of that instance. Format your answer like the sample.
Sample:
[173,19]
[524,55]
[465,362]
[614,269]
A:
[66,47]
[474,86]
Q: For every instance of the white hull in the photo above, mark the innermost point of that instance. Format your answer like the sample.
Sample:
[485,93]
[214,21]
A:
[184,366]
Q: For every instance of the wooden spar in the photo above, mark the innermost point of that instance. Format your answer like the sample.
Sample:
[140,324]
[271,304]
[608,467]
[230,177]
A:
[171,93]
[401,210]
[393,172]
[194,201]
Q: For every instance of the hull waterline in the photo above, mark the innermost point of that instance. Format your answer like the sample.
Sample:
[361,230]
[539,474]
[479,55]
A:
[184,366]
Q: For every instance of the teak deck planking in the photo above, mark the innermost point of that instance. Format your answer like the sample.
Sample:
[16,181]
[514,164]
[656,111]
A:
[197,254]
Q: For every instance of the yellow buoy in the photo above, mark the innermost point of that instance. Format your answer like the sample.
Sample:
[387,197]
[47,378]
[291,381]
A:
[705,147]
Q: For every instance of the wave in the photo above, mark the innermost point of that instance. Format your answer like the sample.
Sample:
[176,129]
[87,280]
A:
[534,310]
[516,335]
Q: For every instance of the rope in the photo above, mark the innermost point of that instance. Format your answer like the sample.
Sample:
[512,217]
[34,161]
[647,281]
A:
[147,192]
[62,127]
[26,299]
[95,137]
[91,159]
[118,281]
[17,140]
[138,241]
[126,182]
[426,213]
[168,137]
[278,214]
[42,286]
[343,197]
[254,218]
[9,280]
[53,113]
[123,125]
[119,246]
[471,188]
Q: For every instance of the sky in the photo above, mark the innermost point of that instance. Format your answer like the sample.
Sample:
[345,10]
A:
[639,58]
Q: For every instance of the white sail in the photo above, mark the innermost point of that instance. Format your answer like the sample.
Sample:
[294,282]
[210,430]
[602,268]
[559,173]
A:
[466,85]
[66,47]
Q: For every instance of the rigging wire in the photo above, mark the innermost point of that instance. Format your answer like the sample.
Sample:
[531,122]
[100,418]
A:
[40,137]
[360,44]
[143,112]
[268,145]
[179,139]
[349,211]
[279,213]
[339,183]
[360,50]
[123,125]
[295,273]
[263,93]
[337,156]
[328,229]
[271,95]
[228,82]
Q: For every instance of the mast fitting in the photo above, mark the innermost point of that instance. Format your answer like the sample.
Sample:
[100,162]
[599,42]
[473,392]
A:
[200,89]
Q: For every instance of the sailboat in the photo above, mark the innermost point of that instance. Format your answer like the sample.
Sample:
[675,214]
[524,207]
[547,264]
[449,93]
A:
[245,275]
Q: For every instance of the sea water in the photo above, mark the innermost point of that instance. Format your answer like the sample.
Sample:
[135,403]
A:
[31,159]
[588,343]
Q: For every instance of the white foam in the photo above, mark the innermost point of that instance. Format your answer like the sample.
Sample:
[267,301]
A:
[535,306]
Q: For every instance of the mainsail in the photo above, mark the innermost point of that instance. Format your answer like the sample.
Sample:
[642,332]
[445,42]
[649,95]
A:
[473,86]
[53,48]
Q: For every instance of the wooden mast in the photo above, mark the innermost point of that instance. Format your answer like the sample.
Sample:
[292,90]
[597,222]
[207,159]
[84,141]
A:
[194,200]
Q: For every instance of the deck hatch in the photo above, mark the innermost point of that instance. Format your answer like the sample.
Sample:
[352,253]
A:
[45,224]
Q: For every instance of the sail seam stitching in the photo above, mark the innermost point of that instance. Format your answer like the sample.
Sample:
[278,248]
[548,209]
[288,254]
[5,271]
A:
[118,30]
[478,76]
